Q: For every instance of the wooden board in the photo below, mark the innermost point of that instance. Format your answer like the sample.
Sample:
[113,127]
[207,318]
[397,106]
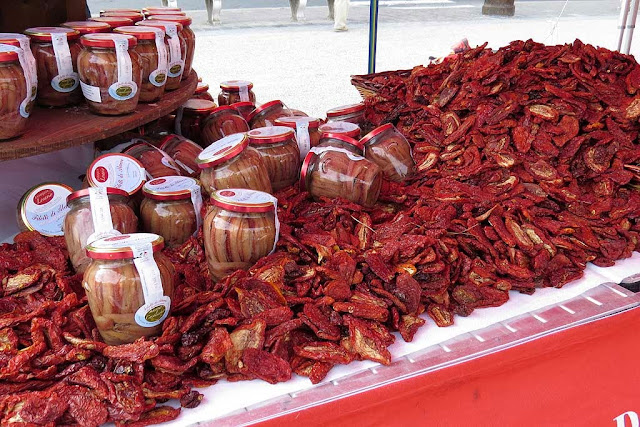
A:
[53,129]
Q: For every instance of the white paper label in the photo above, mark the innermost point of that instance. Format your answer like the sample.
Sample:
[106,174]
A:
[24,108]
[125,88]
[45,208]
[118,171]
[25,45]
[350,155]
[183,166]
[67,80]
[303,138]
[168,162]
[158,77]
[156,305]
[176,64]
[244,93]
[100,214]
[196,199]
[91,93]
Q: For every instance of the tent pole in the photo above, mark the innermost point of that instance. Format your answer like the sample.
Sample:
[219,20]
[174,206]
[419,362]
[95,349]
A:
[622,23]
[631,25]
[373,35]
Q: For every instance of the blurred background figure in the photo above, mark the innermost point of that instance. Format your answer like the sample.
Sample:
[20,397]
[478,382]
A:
[340,12]
[170,3]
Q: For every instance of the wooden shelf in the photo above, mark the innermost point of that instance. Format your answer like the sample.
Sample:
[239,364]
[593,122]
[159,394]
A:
[53,129]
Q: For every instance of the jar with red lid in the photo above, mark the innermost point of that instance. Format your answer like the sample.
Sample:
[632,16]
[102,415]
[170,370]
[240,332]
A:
[352,113]
[244,108]
[279,150]
[88,27]
[349,129]
[110,73]
[223,121]
[132,14]
[307,131]
[56,52]
[335,172]
[339,140]
[190,117]
[154,59]
[118,171]
[43,207]
[95,213]
[202,92]
[113,21]
[240,228]
[390,150]
[151,10]
[16,85]
[184,152]
[30,70]
[231,163]
[176,47]
[156,162]
[187,33]
[233,91]
[267,113]
[129,286]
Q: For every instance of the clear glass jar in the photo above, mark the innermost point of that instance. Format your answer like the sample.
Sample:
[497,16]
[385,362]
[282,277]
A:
[154,59]
[160,10]
[278,147]
[133,14]
[184,152]
[111,77]
[176,47]
[88,27]
[335,172]
[349,129]
[187,33]
[190,117]
[58,82]
[231,163]
[16,85]
[114,285]
[244,108]
[338,140]
[267,113]
[307,131]
[202,92]
[156,162]
[81,226]
[118,171]
[171,208]
[389,149]
[30,69]
[233,91]
[352,113]
[43,207]
[113,21]
[240,228]
[223,121]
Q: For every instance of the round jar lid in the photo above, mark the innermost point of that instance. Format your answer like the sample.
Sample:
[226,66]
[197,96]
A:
[164,12]
[236,85]
[243,200]
[161,9]
[113,21]
[12,38]
[122,247]
[222,150]
[198,106]
[201,88]
[377,131]
[43,208]
[88,27]
[160,24]
[106,40]
[169,188]
[43,34]
[85,192]
[270,134]
[344,138]
[184,20]
[140,32]
[120,9]
[7,54]
[292,122]
[117,170]
[263,107]
[243,104]
[134,16]
[304,169]
[345,109]
[345,128]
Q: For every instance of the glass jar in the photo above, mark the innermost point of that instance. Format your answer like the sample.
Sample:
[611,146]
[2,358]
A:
[88,27]
[129,285]
[190,117]
[176,50]
[187,33]
[113,21]
[171,208]
[338,140]
[31,71]
[132,14]
[267,113]
[118,171]
[16,85]
[349,129]
[352,113]
[156,162]
[307,132]
[43,207]
[223,121]
[202,92]
[278,147]
[56,52]
[240,228]
[244,108]
[389,149]
[95,213]
[152,10]
[154,59]
[233,91]
[110,73]
[184,152]
[336,172]
[231,163]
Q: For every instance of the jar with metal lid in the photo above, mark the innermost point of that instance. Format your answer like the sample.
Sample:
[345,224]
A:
[231,163]
[176,47]
[171,208]
[352,113]
[389,149]
[190,117]
[187,33]
[161,10]
[223,121]
[154,59]
[118,171]
[335,172]
[110,73]
[129,285]
[31,70]
[184,152]
[279,150]
[202,92]
[43,207]
[156,162]
[339,140]
[349,129]
[56,52]
[132,14]
[95,213]
[113,21]
[267,113]
[16,85]
[244,108]
[240,227]
[233,91]
[307,131]
[88,27]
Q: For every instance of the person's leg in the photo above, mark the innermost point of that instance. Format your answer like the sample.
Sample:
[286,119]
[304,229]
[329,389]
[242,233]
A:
[303,6]
[341,10]
[217,8]
[294,9]
[165,3]
[330,3]
[209,6]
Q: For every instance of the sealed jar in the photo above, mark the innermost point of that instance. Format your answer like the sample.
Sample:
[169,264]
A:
[176,50]
[223,121]
[113,21]
[94,213]
[118,171]
[233,91]
[132,14]
[231,163]
[187,33]
[245,108]
[389,149]
[56,52]
[88,27]
[129,285]
[335,172]
[171,208]
[43,208]
[156,162]
[190,117]
[267,113]
[16,85]
[110,73]
[202,92]
[352,113]
[154,59]
[184,152]
[338,140]
[152,10]
[349,129]
[31,70]
[307,132]
[278,147]
[240,228]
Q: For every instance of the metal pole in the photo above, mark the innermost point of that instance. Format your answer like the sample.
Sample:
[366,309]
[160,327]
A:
[631,25]
[622,22]
[373,34]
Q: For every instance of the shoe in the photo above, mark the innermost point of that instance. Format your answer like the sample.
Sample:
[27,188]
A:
[340,29]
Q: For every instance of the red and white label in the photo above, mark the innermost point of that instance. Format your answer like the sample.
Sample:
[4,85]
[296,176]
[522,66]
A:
[117,171]
[44,208]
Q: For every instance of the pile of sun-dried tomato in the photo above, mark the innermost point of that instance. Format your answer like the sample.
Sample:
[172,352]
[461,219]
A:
[525,174]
